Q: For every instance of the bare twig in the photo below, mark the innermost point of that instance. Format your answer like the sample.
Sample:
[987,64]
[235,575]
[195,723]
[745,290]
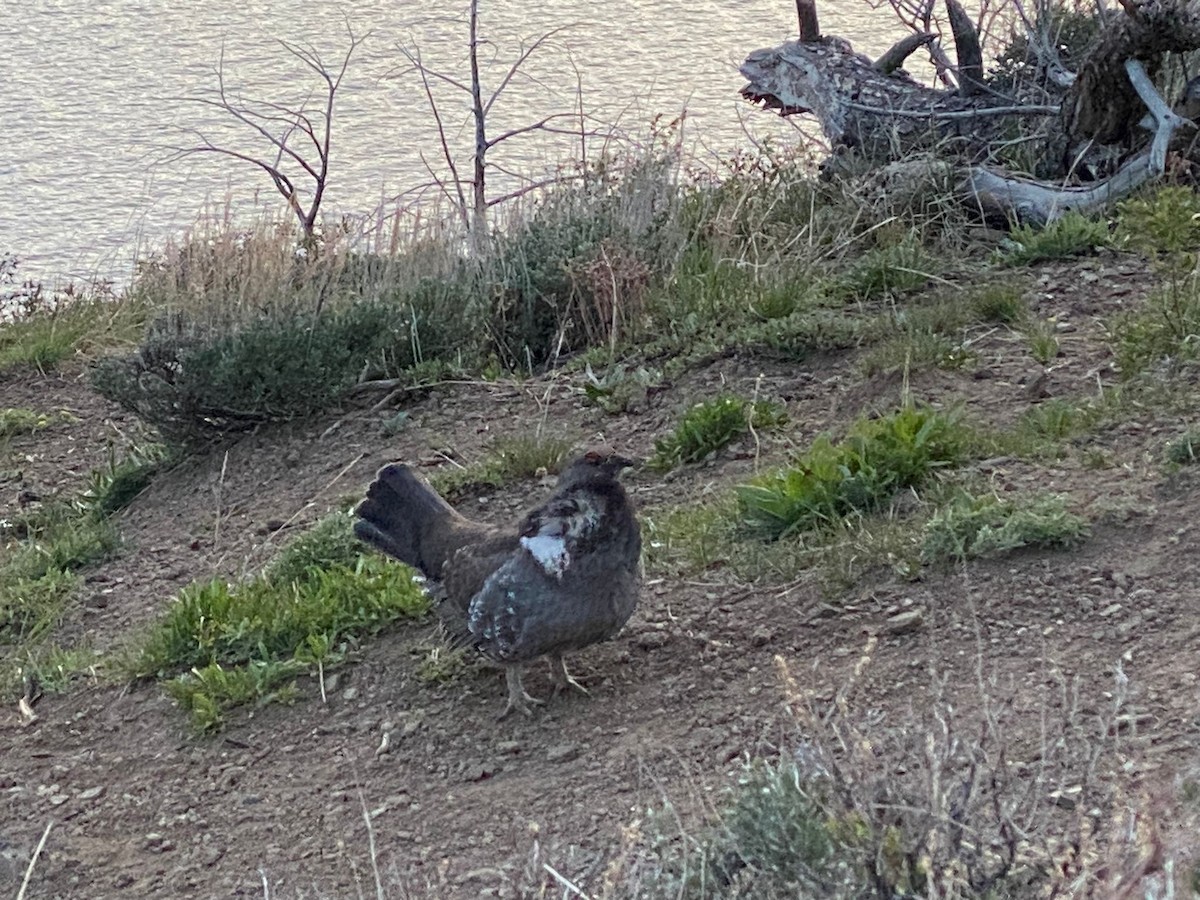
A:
[219,491]
[276,124]
[1166,120]
[380,893]
[895,56]
[474,214]
[33,861]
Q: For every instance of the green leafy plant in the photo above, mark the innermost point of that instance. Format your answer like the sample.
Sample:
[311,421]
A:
[1166,227]
[114,487]
[1165,331]
[986,526]
[621,389]
[1055,419]
[53,668]
[18,420]
[1043,341]
[329,543]
[1163,224]
[777,823]
[999,301]
[712,424]
[887,270]
[1183,450]
[208,693]
[442,664]
[916,350]
[877,458]
[44,549]
[1070,235]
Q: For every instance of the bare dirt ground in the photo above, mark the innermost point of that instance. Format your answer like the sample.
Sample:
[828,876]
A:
[465,806]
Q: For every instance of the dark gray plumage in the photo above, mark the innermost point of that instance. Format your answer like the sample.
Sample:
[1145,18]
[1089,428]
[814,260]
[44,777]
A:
[565,578]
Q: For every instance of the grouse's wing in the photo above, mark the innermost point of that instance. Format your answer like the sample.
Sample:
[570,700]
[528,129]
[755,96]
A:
[553,532]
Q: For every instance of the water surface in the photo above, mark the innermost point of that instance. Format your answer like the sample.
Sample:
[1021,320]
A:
[92,102]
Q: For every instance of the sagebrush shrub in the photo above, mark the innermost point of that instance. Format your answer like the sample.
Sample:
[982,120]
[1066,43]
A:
[194,384]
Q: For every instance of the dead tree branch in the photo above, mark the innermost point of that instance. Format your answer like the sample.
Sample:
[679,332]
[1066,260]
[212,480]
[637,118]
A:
[474,215]
[276,124]
[1088,124]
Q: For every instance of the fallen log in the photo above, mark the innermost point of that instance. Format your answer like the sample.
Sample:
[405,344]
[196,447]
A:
[880,115]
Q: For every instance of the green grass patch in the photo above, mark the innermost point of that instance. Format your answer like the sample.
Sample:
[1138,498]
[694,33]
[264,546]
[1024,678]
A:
[53,330]
[54,668]
[1183,450]
[934,334]
[799,336]
[16,421]
[691,538]
[1163,223]
[329,543]
[209,692]
[1071,235]
[1053,421]
[31,607]
[971,527]
[856,475]
[711,425]
[1042,337]
[913,351]
[41,341]
[886,271]
[508,460]
[221,646]
[117,484]
[56,535]
[44,549]
[1000,302]
[1164,332]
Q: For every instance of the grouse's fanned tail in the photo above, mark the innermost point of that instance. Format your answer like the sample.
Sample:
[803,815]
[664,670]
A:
[406,519]
[565,578]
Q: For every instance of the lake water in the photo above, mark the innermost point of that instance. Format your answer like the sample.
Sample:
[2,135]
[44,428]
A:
[91,102]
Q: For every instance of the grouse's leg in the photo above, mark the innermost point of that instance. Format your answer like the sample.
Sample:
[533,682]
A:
[561,677]
[517,698]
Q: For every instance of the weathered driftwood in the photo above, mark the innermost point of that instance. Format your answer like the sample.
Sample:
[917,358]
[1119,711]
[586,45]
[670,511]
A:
[882,114]
[1103,105]
[875,110]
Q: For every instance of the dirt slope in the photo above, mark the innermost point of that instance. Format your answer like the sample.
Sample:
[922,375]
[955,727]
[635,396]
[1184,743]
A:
[464,806]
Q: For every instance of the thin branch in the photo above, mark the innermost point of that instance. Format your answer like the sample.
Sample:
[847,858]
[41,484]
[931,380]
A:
[512,70]
[260,115]
[425,73]
[531,187]
[432,73]
[895,56]
[1166,120]
[956,115]
[536,126]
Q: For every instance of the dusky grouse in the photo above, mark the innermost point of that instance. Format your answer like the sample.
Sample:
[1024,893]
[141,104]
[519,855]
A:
[566,577]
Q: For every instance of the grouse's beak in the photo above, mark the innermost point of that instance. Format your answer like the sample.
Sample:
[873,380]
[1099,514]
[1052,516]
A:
[618,462]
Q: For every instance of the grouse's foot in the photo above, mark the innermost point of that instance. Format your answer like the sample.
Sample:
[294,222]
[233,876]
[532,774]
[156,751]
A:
[517,698]
[562,678]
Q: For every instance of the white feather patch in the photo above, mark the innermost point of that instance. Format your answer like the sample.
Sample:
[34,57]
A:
[550,551]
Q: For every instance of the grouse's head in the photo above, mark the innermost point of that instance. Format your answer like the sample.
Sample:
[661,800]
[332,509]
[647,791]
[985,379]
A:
[597,462]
